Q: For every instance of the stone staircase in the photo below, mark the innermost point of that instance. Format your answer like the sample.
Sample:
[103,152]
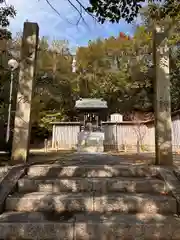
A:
[90,202]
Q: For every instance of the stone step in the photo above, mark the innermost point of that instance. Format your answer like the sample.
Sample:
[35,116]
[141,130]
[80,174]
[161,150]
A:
[117,184]
[88,202]
[57,170]
[15,225]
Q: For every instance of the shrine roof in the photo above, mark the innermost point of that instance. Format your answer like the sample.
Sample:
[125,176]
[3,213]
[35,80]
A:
[91,103]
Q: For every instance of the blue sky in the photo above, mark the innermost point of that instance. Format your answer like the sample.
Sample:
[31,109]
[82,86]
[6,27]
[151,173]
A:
[63,27]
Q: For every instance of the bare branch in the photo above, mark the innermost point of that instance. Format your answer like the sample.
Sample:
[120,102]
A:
[58,13]
[80,16]
[83,7]
[80,13]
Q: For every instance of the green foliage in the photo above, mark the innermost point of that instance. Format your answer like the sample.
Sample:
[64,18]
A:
[115,10]
[117,70]
[175,83]
[6,12]
[114,69]
[56,85]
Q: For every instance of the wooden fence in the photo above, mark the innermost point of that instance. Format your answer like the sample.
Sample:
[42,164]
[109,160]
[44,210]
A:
[64,135]
[123,136]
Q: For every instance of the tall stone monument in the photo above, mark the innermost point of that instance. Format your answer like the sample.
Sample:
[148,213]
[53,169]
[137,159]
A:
[163,128]
[22,124]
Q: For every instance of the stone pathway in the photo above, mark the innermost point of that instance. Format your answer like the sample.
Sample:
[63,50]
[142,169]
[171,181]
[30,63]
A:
[93,158]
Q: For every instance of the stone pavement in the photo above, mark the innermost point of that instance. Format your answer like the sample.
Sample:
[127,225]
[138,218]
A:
[68,157]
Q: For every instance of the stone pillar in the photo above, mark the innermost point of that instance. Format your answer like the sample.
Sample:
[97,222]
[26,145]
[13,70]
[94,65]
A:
[163,128]
[22,122]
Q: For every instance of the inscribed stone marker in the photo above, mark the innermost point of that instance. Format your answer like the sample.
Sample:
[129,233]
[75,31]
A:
[163,128]
[22,124]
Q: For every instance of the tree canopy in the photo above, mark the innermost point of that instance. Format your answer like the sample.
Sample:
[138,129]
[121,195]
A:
[6,12]
[115,10]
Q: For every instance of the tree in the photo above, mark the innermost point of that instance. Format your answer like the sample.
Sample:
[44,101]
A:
[6,12]
[115,10]
[118,70]
[55,89]
[121,9]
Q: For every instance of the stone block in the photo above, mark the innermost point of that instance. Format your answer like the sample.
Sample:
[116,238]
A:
[131,185]
[90,142]
[140,226]
[54,171]
[36,225]
[55,185]
[135,203]
[39,201]
[134,185]
[57,170]
[37,230]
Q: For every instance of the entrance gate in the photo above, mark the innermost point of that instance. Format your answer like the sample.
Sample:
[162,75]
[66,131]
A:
[91,113]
